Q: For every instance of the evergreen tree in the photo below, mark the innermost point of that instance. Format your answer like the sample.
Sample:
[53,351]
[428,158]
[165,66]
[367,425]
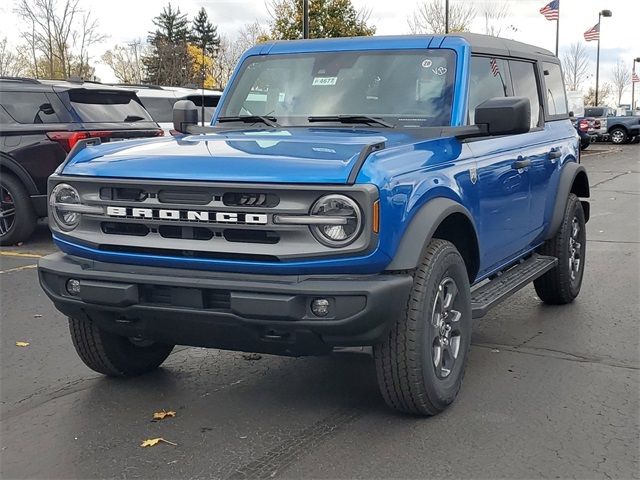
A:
[169,63]
[204,34]
[327,18]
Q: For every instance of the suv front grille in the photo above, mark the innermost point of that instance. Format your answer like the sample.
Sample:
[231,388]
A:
[209,220]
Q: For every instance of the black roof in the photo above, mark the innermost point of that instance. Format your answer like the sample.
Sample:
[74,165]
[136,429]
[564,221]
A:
[504,47]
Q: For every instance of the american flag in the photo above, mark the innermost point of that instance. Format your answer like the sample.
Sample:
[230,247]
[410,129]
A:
[551,11]
[494,67]
[635,78]
[593,33]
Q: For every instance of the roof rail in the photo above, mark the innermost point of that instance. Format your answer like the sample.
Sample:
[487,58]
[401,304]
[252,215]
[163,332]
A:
[76,79]
[140,85]
[20,79]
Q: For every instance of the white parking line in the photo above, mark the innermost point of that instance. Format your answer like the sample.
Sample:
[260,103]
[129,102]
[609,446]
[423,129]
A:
[17,269]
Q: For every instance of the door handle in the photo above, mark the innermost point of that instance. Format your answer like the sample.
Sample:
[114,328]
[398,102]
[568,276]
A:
[555,153]
[520,164]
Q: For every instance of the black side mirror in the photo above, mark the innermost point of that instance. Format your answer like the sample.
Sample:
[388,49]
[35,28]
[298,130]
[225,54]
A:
[504,115]
[571,114]
[185,114]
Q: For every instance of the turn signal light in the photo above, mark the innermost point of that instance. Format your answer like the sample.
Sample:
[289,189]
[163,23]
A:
[376,217]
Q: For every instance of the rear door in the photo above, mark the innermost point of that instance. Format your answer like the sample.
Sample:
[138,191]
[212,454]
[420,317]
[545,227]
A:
[545,144]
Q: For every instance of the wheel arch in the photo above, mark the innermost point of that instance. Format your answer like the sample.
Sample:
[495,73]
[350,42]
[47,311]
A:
[573,179]
[9,165]
[441,218]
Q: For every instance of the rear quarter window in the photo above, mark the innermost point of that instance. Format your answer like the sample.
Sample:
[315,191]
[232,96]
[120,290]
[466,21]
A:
[554,86]
[106,106]
[27,108]
[524,82]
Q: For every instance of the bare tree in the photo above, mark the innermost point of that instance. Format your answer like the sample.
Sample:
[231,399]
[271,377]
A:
[429,17]
[59,36]
[575,64]
[12,63]
[621,78]
[494,17]
[82,40]
[605,90]
[125,61]
[230,50]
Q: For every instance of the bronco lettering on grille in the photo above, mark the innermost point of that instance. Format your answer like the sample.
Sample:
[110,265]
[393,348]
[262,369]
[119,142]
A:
[188,215]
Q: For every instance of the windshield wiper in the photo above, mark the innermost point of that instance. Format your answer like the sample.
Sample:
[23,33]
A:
[350,119]
[133,118]
[271,121]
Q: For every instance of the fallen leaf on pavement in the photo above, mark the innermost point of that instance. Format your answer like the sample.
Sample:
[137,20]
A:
[154,441]
[163,414]
[22,344]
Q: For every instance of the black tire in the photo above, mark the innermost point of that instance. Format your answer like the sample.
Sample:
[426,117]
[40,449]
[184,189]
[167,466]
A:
[618,136]
[20,225]
[114,355]
[562,284]
[635,139]
[584,144]
[408,377]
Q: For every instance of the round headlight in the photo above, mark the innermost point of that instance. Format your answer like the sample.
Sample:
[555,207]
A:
[348,220]
[61,195]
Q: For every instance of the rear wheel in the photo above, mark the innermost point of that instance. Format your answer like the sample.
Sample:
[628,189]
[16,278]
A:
[562,284]
[421,363]
[17,218]
[618,136]
[114,355]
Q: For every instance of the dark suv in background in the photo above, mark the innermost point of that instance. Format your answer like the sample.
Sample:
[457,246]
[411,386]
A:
[40,122]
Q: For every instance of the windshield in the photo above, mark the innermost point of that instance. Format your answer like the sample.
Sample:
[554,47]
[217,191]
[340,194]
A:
[405,88]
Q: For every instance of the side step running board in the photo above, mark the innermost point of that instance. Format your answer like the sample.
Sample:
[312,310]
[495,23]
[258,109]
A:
[509,282]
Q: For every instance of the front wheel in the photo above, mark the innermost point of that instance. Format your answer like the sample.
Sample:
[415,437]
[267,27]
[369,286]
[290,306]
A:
[421,363]
[562,284]
[114,355]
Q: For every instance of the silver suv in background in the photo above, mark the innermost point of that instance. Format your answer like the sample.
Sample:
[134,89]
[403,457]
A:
[158,101]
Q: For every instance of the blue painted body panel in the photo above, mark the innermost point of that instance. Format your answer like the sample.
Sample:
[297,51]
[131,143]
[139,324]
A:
[510,209]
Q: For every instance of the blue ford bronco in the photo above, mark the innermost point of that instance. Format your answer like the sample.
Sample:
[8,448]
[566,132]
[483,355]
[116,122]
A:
[380,191]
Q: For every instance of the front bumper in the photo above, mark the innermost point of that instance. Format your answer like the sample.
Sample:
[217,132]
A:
[255,313]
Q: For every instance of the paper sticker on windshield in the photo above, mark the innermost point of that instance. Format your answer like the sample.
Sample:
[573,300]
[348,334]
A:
[324,81]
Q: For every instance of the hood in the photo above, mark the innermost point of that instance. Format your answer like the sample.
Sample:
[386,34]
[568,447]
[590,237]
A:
[299,155]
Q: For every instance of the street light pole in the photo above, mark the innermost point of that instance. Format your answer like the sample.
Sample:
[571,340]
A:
[602,13]
[633,84]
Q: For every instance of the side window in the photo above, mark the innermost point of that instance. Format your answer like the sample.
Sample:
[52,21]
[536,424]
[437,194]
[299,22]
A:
[523,78]
[488,78]
[29,107]
[556,97]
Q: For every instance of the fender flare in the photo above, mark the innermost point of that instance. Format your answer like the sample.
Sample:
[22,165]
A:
[570,172]
[421,229]
[8,163]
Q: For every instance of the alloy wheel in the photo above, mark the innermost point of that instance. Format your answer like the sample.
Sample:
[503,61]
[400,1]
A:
[7,211]
[445,319]
[575,249]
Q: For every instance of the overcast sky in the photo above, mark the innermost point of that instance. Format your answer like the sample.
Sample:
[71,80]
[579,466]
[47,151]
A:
[126,20]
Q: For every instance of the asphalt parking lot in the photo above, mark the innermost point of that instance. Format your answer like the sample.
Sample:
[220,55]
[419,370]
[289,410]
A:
[549,391]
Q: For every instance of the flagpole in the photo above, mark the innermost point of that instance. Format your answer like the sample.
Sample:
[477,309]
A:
[558,28]
[598,58]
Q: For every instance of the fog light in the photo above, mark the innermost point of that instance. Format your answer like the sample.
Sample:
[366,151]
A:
[320,307]
[73,286]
